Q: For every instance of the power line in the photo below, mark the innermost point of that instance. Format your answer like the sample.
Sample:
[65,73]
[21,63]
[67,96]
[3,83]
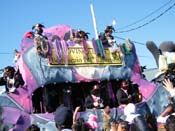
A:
[152,20]
[124,27]
[142,56]
[5,53]
[140,43]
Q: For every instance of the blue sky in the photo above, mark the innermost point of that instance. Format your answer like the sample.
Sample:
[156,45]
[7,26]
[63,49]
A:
[18,17]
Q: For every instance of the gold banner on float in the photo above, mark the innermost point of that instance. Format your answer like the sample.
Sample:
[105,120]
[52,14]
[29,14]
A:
[77,57]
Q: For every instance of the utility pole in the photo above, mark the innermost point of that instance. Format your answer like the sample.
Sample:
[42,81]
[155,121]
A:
[94,21]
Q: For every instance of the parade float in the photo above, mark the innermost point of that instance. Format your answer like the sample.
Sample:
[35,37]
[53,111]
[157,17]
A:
[55,67]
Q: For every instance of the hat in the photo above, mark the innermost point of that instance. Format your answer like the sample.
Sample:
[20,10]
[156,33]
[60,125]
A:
[63,116]
[9,71]
[38,25]
[124,83]
[96,89]
[109,29]
[130,109]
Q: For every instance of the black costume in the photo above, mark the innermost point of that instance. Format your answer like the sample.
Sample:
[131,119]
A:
[122,97]
[94,100]
[128,93]
[18,80]
[91,102]
[106,38]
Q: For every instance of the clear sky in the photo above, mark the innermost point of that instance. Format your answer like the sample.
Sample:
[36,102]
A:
[18,17]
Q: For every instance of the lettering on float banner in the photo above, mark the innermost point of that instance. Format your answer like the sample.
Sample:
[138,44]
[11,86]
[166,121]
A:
[77,57]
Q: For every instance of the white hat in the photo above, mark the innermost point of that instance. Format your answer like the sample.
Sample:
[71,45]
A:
[130,109]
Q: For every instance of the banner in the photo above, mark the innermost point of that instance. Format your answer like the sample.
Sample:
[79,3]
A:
[77,57]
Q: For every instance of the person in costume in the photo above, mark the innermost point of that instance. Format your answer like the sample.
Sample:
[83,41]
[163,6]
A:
[94,100]
[40,41]
[107,37]
[79,35]
[123,97]
[11,78]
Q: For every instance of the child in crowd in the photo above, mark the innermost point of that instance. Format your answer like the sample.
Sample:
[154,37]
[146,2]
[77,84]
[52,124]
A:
[33,127]
[106,118]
